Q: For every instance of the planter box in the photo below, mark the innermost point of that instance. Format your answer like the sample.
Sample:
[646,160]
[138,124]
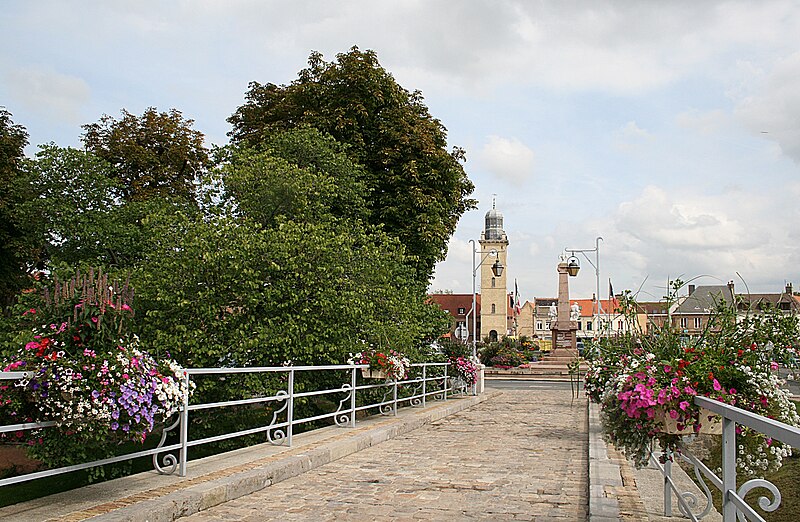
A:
[368,373]
[711,427]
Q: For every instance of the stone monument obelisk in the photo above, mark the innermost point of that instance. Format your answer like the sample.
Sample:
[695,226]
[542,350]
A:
[563,329]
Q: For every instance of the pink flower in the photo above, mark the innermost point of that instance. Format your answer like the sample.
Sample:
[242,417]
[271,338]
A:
[673,414]
[667,368]
[683,405]
[732,391]
[126,308]
[773,365]
[717,385]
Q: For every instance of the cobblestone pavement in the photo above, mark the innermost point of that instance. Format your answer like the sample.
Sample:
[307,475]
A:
[519,456]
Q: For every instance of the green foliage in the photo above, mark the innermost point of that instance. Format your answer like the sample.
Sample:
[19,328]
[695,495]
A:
[453,349]
[15,240]
[270,189]
[74,200]
[155,155]
[418,190]
[226,291]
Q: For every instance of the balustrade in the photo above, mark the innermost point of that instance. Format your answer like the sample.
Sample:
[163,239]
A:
[425,381]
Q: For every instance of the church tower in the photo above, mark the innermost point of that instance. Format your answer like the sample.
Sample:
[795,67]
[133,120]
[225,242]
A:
[494,296]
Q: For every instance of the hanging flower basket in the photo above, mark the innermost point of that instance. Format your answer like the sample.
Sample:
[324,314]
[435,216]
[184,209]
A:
[388,365]
[710,423]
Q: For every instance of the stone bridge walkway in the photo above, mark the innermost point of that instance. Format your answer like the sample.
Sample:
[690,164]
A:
[517,456]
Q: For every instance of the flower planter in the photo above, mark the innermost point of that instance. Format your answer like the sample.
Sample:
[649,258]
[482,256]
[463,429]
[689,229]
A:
[711,427]
[369,373]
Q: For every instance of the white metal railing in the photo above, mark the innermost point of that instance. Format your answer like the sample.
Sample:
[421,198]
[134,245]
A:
[425,381]
[733,503]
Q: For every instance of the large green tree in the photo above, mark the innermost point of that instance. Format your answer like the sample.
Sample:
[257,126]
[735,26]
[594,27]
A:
[417,188]
[157,154]
[16,248]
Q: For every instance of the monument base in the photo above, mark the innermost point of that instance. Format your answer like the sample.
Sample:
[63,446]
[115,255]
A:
[565,341]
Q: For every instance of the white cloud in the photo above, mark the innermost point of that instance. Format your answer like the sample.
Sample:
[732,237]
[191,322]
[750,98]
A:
[45,91]
[661,234]
[706,123]
[630,136]
[773,111]
[507,158]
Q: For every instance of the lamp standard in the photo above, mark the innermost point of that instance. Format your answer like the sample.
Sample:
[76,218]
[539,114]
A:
[497,270]
[574,266]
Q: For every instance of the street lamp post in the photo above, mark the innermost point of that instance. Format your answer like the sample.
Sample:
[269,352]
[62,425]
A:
[497,269]
[595,265]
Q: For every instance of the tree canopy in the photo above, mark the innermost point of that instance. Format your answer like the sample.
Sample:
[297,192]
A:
[15,246]
[417,190]
[305,239]
[155,155]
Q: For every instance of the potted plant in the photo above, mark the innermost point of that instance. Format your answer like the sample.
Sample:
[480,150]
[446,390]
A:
[646,383]
[388,364]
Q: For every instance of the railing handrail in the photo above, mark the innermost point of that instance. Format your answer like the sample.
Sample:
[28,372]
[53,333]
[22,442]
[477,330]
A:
[270,369]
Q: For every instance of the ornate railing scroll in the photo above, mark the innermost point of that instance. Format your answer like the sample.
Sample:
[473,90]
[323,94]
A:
[734,506]
[344,417]
[169,462]
[277,436]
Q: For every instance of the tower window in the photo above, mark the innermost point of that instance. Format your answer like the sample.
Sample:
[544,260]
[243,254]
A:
[493,309]
[461,311]
[493,282]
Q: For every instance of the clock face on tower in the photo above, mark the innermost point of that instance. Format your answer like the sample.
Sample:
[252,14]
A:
[493,252]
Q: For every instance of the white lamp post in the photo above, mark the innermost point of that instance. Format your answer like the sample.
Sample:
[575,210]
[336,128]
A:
[596,265]
[497,270]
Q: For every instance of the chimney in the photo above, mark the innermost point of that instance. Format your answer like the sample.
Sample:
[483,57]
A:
[789,289]
[730,287]
[691,289]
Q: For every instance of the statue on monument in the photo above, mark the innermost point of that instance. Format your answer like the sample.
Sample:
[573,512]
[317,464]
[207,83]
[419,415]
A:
[553,313]
[574,312]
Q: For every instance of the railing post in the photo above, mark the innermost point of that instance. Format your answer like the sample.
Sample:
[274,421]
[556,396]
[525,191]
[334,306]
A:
[353,398]
[445,382]
[728,468]
[394,398]
[184,454]
[424,382]
[290,409]
[667,488]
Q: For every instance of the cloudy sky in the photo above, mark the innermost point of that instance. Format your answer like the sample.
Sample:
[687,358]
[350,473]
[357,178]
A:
[671,129]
